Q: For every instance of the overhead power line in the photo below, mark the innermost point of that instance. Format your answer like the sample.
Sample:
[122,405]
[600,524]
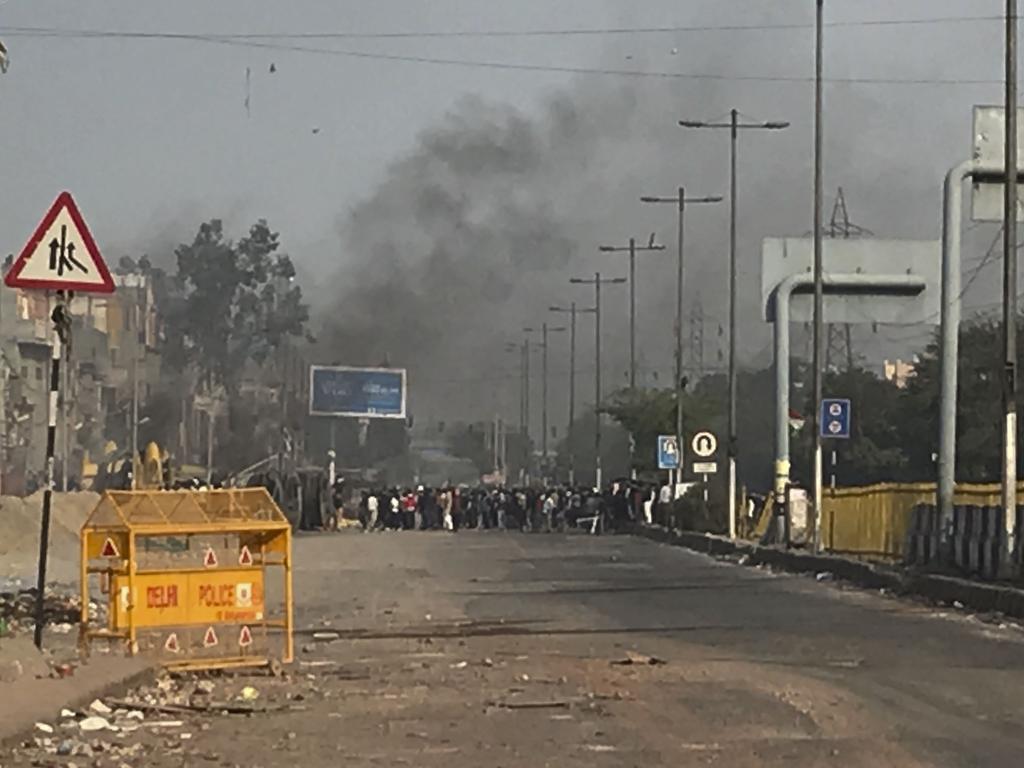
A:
[486,33]
[516,66]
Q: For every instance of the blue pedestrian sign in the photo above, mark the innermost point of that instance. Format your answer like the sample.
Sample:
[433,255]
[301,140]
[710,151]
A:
[835,418]
[668,452]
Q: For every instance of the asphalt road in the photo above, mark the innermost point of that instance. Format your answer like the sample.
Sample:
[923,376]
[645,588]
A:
[487,649]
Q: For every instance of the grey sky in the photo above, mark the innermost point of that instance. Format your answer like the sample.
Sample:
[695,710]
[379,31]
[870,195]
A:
[152,135]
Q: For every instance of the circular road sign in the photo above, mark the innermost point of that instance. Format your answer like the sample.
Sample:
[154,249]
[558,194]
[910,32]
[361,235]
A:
[704,444]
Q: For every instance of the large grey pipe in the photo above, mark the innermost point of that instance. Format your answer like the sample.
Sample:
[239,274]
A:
[881,284]
[952,212]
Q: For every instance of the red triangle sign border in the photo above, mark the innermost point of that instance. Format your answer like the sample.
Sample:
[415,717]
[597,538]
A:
[64,201]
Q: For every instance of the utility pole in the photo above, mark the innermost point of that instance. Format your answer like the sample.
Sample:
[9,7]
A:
[696,350]
[545,330]
[597,281]
[681,201]
[819,286]
[735,126]
[572,310]
[1009,479]
[632,249]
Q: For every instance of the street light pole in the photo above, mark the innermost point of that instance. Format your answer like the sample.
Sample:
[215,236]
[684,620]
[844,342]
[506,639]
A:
[545,330]
[632,249]
[597,282]
[735,126]
[819,286]
[681,200]
[1009,479]
[572,310]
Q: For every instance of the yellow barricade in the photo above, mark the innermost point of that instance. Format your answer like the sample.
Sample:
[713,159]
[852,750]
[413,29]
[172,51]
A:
[198,579]
[874,520]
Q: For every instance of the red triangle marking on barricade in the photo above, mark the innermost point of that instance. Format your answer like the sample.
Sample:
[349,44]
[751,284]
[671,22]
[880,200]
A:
[210,559]
[245,637]
[171,645]
[210,638]
[245,556]
[109,549]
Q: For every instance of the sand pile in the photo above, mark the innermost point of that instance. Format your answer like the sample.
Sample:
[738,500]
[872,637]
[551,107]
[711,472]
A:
[19,534]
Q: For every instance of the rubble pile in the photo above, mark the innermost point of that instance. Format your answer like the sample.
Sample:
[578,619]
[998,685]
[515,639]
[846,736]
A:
[62,609]
[165,719]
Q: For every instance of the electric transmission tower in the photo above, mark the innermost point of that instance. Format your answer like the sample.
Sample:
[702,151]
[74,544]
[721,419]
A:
[840,343]
[695,351]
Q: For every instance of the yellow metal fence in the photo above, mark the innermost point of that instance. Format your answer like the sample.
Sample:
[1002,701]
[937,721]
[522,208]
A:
[874,520]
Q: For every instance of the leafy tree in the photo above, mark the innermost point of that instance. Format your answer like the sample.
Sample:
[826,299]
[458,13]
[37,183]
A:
[239,301]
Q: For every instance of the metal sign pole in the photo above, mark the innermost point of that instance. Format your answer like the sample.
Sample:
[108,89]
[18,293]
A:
[61,326]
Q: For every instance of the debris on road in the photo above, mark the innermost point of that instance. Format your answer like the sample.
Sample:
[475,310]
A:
[95,723]
[633,658]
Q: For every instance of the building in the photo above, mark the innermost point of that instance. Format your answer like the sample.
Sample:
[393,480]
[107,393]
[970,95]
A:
[114,345]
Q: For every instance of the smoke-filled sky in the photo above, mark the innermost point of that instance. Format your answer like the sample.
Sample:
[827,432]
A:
[435,210]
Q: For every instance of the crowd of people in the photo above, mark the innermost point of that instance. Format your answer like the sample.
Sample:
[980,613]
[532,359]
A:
[556,508]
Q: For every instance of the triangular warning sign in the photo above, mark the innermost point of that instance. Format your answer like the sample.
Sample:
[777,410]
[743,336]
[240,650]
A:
[245,637]
[245,556]
[171,646]
[61,254]
[210,638]
[210,559]
[109,549]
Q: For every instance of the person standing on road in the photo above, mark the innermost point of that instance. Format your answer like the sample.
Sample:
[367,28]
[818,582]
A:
[445,502]
[550,505]
[372,510]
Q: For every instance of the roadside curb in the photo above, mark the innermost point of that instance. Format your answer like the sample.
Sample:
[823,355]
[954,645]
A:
[19,726]
[975,595]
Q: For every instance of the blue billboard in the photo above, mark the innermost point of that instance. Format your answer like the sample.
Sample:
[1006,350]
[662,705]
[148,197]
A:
[360,392]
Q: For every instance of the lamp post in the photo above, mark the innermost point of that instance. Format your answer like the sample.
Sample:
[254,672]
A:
[735,126]
[597,282]
[545,329]
[572,310]
[681,201]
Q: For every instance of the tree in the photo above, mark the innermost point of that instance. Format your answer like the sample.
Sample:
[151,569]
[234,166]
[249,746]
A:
[239,301]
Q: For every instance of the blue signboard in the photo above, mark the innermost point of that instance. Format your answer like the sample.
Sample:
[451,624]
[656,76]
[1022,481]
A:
[835,418]
[359,392]
[668,452]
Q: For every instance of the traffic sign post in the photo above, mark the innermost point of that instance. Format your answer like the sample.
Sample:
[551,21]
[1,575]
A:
[60,256]
[835,418]
[668,452]
[835,421]
[704,446]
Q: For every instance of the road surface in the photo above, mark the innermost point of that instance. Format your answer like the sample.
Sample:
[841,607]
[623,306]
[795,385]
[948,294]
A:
[490,649]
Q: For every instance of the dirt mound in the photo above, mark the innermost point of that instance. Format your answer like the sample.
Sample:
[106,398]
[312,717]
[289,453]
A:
[19,534]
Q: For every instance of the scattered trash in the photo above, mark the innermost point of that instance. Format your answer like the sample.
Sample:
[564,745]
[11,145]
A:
[957,604]
[44,728]
[459,665]
[524,677]
[744,559]
[600,748]
[488,662]
[95,723]
[165,724]
[823,576]
[533,704]
[67,714]
[100,708]
[326,637]
[638,659]
[249,694]
[205,687]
